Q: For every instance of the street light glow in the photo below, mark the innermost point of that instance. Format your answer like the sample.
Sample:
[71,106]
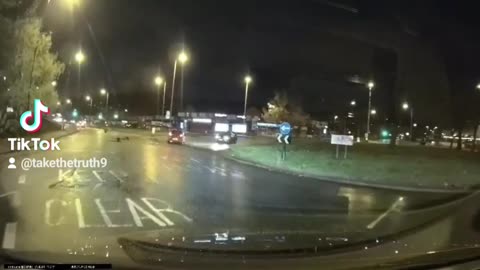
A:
[248,79]
[183,57]
[405,106]
[103,91]
[373,112]
[478,86]
[88,98]
[115,116]
[79,57]
[69,101]
[370,85]
[54,83]
[353,103]
[158,80]
[58,103]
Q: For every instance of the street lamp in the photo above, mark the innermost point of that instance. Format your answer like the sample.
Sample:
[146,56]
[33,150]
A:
[183,58]
[69,101]
[104,92]
[405,107]
[373,112]
[54,83]
[89,98]
[158,82]
[353,103]
[79,57]
[370,86]
[58,103]
[248,80]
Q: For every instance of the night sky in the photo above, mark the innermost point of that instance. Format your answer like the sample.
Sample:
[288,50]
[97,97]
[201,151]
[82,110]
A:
[310,49]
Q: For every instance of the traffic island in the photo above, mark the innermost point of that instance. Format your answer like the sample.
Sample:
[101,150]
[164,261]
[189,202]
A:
[402,167]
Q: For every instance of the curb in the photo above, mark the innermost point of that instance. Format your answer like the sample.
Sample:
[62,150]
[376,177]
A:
[58,137]
[348,182]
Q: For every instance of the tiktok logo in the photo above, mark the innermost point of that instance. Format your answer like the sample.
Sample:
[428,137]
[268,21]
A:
[38,110]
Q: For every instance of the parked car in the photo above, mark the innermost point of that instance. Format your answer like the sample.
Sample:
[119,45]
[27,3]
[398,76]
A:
[176,136]
[226,137]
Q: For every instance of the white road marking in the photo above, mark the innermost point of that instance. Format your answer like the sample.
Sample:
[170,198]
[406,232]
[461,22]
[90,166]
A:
[106,218]
[383,215]
[158,211]
[21,179]
[138,220]
[98,176]
[9,235]
[48,205]
[194,160]
[80,217]
[116,176]
[7,194]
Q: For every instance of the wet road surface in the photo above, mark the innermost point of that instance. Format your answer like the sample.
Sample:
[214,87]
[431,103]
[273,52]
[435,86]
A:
[150,185]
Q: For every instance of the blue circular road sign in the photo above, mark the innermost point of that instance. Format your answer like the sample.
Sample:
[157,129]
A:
[285,128]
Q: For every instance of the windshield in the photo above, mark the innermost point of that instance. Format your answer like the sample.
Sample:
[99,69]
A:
[135,132]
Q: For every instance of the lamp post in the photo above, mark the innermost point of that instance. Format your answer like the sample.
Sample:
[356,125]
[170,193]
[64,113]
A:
[370,86]
[79,58]
[405,107]
[158,82]
[104,92]
[183,58]
[248,80]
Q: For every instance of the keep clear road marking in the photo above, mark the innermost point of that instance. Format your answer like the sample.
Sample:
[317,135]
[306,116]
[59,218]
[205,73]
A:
[21,179]
[9,235]
[116,176]
[394,206]
[95,173]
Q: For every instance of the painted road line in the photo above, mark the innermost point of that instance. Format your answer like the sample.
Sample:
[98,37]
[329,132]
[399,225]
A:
[394,206]
[195,160]
[22,179]
[95,173]
[7,194]
[116,176]
[9,235]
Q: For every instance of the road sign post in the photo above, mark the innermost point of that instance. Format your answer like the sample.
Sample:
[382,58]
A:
[284,138]
[341,140]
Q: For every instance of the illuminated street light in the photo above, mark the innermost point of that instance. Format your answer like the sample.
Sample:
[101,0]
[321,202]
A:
[104,92]
[158,82]
[115,116]
[405,107]
[69,101]
[373,112]
[478,85]
[79,57]
[353,103]
[183,58]
[54,83]
[58,103]
[370,86]
[248,80]
[126,110]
